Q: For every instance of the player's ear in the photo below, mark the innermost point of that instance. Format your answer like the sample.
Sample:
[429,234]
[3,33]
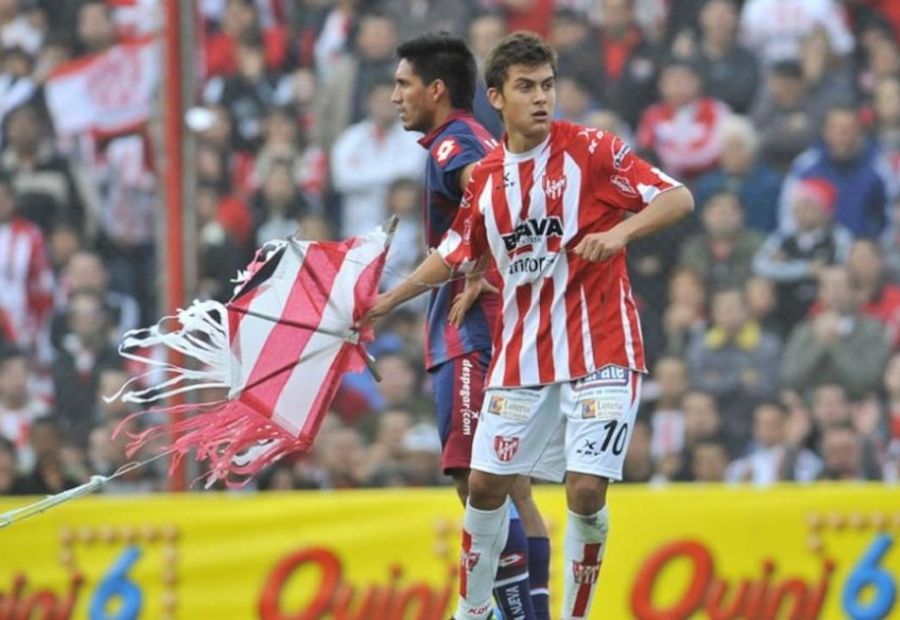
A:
[495,98]
[437,88]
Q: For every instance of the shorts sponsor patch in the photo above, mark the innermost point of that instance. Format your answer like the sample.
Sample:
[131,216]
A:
[515,406]
[608,376]
[601,408]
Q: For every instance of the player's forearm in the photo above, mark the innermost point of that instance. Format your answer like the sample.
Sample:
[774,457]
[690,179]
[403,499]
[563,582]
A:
[663,211]
[431,272]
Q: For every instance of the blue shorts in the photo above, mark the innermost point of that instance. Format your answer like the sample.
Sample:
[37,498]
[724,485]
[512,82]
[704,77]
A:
[458,387]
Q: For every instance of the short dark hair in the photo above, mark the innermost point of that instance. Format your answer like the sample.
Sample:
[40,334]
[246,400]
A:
[519,48]
[445,57]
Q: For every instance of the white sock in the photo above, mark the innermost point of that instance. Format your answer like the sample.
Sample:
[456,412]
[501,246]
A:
[585,544]
[484,535]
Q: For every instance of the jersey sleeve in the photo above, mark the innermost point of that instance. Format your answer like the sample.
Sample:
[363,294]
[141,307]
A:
[620,178]
[452,153]
[466,240]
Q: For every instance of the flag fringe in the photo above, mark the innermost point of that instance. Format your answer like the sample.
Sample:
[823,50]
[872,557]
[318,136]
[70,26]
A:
[234,438]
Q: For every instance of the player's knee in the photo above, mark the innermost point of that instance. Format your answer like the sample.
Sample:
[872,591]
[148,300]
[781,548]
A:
[461,482]
[487,491]
[585,494]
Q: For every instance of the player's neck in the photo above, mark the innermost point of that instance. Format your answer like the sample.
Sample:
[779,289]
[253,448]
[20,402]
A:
[522,143]
[441,116]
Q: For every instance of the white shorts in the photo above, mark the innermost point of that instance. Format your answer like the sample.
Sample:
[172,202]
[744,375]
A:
[582,426]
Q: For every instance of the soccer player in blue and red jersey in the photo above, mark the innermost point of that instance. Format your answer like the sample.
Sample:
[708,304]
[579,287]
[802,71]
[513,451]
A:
[434,89]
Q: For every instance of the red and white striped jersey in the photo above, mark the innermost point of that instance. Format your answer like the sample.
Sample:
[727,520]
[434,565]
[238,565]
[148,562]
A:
[26,281]
[563,317]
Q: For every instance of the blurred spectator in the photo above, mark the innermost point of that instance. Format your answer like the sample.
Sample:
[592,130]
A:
[837,345]
[286,140]
[577,50]
[247,94]
[404,200]
[760,296]
[735,361]
[829,82]
[47,476]
[17,87]
[240,19]
[667,418]
[47,192]
[96,30]
[414,18]
[346,92]
[574,101]
[26,282]
[702,421]
[400,382]
[16,30]
[730,71]
[386,450]
[775,29]
[10,482]
[107,455]
[853,165]
[278,205]
[85,271]
[342,458]
[685,315]
[422,456]
[638,465]
[629,71]
[709,460]
[220,254]
[722,254]
[795,260]
[682,130]
[892,396]
[771,458]
[886,106]
[786,115]
[742,172]
[878,297]
[367,158]
[843,455]
[84,351]
[19,407]
[484,31]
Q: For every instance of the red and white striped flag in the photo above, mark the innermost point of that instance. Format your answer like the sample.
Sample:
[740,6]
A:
[108,92]
[279,346]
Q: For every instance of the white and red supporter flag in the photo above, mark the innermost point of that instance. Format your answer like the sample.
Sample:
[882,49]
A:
[279,347]
[108,92]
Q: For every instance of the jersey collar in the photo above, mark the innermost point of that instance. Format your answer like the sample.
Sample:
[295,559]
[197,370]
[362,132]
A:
[432,135]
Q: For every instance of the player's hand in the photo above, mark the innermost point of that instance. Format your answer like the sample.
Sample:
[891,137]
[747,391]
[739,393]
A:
[475,287]
[383,305]
[601,245]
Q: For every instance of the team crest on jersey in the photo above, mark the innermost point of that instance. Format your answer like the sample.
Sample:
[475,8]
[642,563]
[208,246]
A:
[553,188]
[506,447]
[531,231]
[623,185]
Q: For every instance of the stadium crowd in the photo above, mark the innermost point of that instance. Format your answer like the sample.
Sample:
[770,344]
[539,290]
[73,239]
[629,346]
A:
[771,317]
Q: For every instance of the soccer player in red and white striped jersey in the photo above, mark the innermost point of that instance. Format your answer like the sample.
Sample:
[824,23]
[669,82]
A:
[555,206]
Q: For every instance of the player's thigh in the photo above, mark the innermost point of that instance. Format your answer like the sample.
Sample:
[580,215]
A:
[521,431]
[600,411]
[458,387]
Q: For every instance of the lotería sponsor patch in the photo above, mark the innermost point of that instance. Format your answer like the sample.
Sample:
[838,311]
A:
[601,408]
